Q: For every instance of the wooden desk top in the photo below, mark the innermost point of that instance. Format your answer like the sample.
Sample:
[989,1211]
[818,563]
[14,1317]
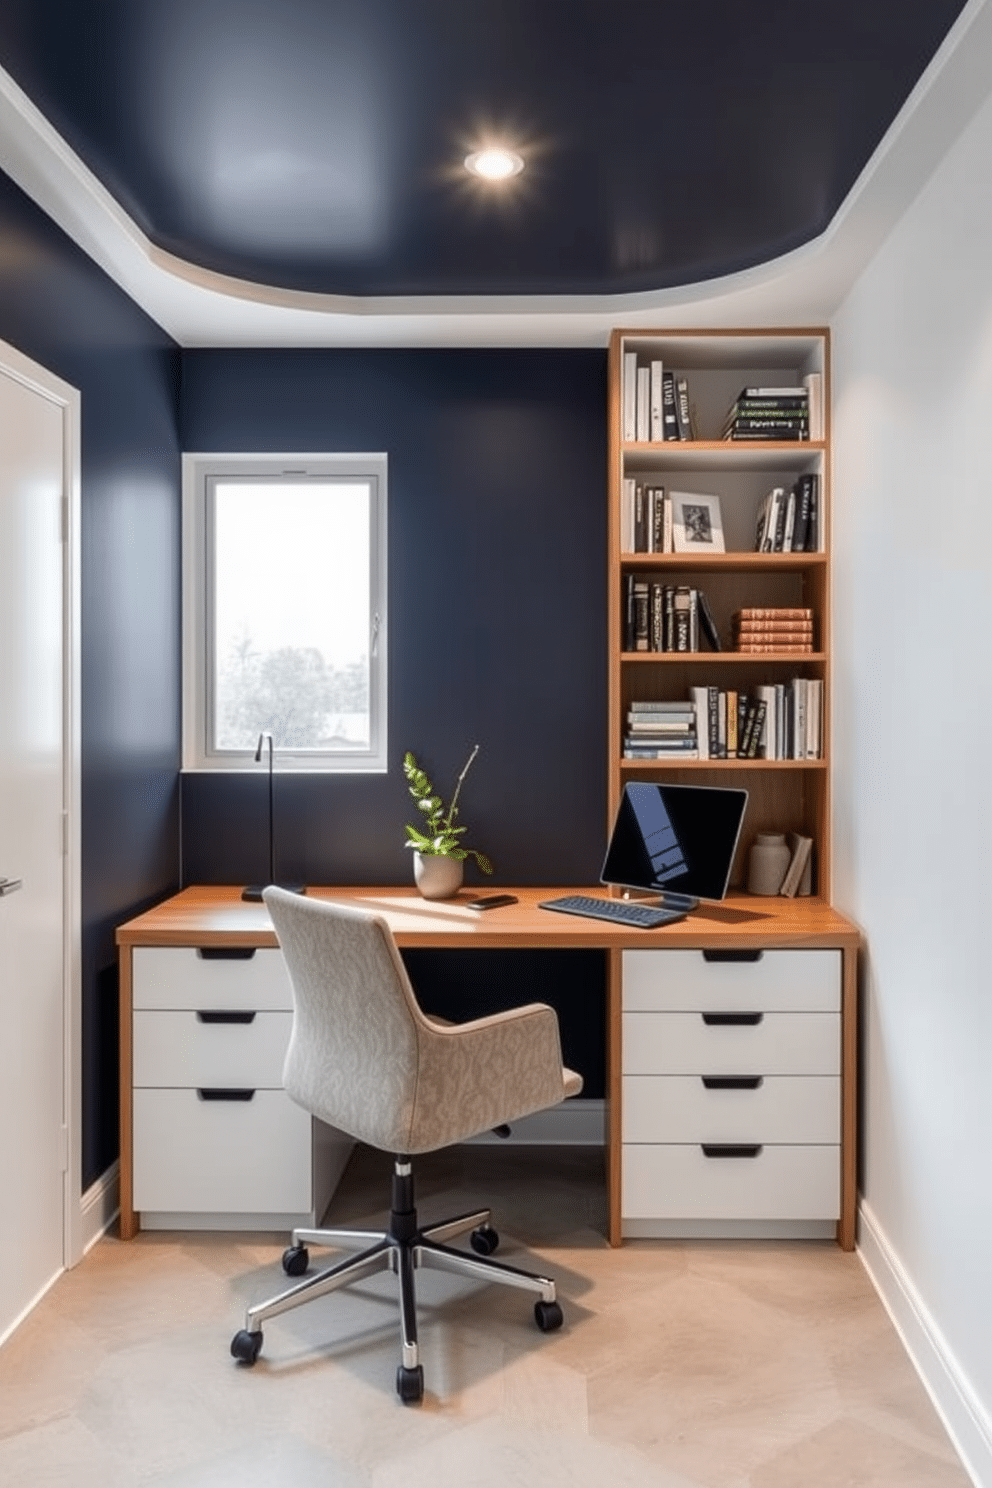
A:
[204,916]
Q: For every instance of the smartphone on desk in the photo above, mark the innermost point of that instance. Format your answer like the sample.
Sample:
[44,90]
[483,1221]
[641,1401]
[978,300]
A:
[492,901]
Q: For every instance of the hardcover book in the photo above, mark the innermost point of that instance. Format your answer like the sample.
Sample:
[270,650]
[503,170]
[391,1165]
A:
[670,412]
[799,866]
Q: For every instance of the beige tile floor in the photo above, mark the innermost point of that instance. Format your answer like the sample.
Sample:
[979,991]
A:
[696,1365]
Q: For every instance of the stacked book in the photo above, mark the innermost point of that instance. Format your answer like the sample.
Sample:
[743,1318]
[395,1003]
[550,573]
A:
[762,630]
[666,617]
[661,730]
[789,521]
[768,413]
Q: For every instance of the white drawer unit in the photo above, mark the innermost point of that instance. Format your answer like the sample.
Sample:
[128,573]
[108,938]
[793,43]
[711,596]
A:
[731,1092]
[223,977]
[731,1182]
[754,1108]
[221,1150]
[217,1143]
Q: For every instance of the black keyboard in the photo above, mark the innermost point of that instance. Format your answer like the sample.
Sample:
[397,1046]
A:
[618,911]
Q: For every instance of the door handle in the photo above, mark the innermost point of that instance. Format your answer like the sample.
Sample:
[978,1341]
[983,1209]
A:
[10,885]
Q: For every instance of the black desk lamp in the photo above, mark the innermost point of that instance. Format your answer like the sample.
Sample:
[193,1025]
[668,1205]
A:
[254,891]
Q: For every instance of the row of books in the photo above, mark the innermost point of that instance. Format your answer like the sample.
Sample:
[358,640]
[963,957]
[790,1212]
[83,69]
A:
[774,721]
[763,630]
[772,412]
[656,520]
[655,402]
[789,521]
[666,617]
[656,406]
[645,518]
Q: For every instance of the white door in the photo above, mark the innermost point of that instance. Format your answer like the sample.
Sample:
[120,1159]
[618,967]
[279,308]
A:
[35,957]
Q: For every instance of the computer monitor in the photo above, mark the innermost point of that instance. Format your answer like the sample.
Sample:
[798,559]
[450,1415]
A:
[677,841]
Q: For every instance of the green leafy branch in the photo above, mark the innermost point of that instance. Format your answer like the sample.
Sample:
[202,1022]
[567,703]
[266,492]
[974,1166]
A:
[438,834]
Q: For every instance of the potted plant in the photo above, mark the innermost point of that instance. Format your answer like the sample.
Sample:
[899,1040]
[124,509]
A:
[439,854]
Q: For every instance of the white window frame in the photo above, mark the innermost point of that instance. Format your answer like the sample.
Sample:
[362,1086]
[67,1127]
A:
[199,469]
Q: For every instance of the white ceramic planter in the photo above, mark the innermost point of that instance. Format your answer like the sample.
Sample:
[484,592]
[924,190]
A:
[437,878]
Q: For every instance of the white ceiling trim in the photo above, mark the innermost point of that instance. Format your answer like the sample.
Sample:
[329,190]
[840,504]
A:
[200,308]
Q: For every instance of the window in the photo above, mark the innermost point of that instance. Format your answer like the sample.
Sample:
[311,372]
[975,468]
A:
[284,610]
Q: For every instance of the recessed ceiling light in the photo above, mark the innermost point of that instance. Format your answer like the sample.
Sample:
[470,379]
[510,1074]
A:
[494,164]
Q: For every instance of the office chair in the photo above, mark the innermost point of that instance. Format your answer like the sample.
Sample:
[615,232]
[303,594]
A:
[364,1058]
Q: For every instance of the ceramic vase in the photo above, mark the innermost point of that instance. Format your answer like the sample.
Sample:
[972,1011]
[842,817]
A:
[436,877]
[767,863]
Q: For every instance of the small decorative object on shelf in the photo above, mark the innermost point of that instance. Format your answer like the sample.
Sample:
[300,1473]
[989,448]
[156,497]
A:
[768,863]
[697,527]
[439,854]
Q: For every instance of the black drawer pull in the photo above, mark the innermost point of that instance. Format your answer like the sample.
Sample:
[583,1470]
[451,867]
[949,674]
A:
[732,1020]
[732,1082]
[225,953]
[205,1015]
[732,1149]
[741,955]
[212,1093]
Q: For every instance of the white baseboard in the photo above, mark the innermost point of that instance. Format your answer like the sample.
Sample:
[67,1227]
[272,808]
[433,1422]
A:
[580,1123]
[964,1417]
[99,1206]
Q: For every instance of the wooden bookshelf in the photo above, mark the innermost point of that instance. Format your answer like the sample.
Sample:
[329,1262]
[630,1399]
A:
[788,795]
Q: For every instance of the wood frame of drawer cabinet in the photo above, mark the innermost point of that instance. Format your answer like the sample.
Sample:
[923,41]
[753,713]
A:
[848,947]
[259,1161]
[209,915]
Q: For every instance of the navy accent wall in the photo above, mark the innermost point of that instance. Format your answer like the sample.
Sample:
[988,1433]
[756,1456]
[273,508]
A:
[497,607]
[59,308]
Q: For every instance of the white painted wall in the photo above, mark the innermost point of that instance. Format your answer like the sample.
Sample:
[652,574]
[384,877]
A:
[912,742]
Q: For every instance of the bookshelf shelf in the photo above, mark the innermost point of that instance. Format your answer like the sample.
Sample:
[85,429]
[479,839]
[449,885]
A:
[726,562]
[736,476]
[662,767]
[722,454]
[719,658]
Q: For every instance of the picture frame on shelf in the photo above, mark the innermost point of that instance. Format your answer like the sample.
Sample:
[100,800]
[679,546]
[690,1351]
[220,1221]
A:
[697,525]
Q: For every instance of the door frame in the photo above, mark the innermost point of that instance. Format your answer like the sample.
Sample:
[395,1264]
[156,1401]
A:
[46,384]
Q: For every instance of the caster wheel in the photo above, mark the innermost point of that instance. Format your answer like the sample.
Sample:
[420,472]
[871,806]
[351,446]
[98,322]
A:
[295,1260]
[484,1240]
[410,1384]
[548,1316]
[246,1347]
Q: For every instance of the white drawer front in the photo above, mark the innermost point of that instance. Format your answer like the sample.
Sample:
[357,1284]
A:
[778,1108]
[182,977]
[221,1156]
[681,1182]
[181,1049]
[801,981]
[683,1044]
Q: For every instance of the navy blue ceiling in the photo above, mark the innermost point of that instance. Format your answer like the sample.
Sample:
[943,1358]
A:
[317,144]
